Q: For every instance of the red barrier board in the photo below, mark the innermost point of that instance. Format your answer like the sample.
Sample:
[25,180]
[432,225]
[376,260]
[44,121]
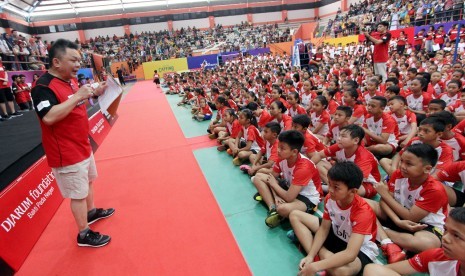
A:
[28,205]
[98,128]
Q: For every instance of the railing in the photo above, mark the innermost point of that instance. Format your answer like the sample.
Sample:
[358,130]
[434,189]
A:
[428,19]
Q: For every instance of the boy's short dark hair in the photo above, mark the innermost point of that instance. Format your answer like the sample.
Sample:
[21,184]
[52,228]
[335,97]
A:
[384,23]
[346,172]
[458,214]
[394,89]
[436,123]
[425,152]
[382,101]
[412,70]
[447,117]
[346,109]
[302,120]
[295,139]
[399,98]
[440,102]
[274,127]
[355,131]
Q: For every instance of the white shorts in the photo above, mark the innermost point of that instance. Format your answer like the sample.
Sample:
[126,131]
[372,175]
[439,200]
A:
[73,180]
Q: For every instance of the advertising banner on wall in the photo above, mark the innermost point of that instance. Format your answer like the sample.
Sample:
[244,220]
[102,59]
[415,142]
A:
[164,66]
[28,204]
[28,74]
[206,61]
[258,51]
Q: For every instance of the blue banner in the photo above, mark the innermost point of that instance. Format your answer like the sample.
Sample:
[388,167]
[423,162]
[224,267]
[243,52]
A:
[209,62]
[256,52]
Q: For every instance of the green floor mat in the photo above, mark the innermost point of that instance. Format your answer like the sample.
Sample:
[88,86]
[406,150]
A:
[267,251]
[189,127]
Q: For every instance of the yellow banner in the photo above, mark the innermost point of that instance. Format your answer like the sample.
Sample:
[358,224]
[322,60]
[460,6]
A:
[164,66]
[342,40]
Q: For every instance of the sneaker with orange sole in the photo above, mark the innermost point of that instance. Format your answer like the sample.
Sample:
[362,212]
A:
[393,252]
[229,151]
[212,136]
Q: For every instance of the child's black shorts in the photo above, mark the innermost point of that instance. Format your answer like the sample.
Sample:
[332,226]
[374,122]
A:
[460,198]
[391,225]
[334,244]
[157,81]
[310,206]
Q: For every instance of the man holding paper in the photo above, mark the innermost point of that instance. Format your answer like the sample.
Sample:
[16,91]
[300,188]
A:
[60,105]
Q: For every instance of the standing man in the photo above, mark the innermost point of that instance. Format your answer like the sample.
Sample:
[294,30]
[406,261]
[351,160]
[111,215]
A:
[380,40]
[61,107]
[119,72]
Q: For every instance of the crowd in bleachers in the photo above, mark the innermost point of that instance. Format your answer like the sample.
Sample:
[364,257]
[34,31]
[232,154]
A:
[146,46]
[20,53]
[400,14]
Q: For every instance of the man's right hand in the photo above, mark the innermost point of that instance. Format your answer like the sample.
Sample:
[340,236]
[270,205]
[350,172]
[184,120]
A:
[84,92]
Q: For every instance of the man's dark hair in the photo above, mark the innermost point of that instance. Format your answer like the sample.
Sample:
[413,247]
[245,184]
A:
[274,127]
[440,102]
[427,154]
[458,214]
[394,89]
[346,109]
[355,131]
[293,138]
[346,172]
[447,117]
[399,98]
[382,101]
[435,122]
[59,48]
[301,119]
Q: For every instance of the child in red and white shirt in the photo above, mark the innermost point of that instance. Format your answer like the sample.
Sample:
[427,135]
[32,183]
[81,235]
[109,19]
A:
[415,205]
[294,107]
[405,119]
[319,117]
[346,218]
[204,112]
[300,185]
[449,260]
[340,120]
[452,94]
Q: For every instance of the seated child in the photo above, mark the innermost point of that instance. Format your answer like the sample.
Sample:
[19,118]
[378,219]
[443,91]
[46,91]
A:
[340,119]
[261,115]
[232,129]
[248,141]
[454,140]
[312,144]
[294,104]
[204,112]
[413,205]
[300,187]
[381,130]
[218,124]
[429,132]
[405,119]
[449,260]
[264,160]
[348,148]
[345,239]
[459,107]
[320,117]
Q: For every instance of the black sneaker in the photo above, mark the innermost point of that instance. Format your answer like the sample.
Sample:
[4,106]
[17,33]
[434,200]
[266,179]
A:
[16,114]
[93,239]
[6,117]
[100,214]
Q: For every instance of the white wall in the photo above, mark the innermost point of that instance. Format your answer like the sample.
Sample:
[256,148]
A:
[298,14]
[352,2]
[92,33]
[331,8]
[230,20]
[267,17]
[72,35]
[198,23]
[152,27]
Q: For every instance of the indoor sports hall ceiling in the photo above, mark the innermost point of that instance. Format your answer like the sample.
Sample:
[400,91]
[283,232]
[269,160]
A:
[37,10]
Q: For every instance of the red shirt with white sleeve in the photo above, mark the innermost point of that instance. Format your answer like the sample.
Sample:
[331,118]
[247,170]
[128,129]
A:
[405,122]
[385,124]
[435,263]
[303,173]
[324,118]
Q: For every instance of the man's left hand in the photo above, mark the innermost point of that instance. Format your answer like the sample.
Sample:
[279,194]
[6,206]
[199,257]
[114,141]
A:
[102,86]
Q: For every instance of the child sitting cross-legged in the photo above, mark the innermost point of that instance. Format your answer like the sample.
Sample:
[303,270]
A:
[294,183]
[345,239]
[413,205]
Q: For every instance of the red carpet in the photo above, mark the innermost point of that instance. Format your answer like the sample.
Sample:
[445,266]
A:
[167,221]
